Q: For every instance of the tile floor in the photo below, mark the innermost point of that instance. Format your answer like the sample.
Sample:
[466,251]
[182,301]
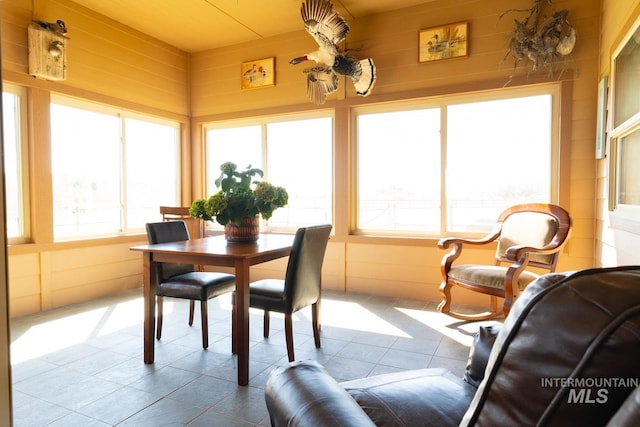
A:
[81,365]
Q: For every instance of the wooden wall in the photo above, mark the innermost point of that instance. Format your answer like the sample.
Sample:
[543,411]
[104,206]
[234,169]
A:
[104,57]
[111,63]
[617,241]
[411,267]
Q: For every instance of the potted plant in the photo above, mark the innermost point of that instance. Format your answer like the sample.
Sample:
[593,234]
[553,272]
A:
[240,201]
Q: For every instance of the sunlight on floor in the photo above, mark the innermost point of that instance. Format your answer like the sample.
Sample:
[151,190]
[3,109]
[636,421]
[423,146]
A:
[51,336]
[124,315]
[342,314]
[56,335]
[462,332]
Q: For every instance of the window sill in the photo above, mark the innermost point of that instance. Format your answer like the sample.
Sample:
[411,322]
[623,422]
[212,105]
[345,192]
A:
[624,222]
[30,248]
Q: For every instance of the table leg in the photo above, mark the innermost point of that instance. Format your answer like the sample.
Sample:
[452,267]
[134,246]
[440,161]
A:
[242,320]
[149,292]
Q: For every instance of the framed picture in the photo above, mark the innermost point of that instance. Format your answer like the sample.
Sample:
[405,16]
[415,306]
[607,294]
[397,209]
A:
[258,73]
[444,42]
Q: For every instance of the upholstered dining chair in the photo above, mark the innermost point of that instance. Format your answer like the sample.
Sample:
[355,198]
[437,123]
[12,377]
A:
[299,289]
[527,236]
[182,280]
[196,226]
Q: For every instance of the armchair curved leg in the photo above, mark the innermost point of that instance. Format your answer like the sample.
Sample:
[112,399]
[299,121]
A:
[473,317]
[445,291]
[445,306]
[494,304]
[508,302]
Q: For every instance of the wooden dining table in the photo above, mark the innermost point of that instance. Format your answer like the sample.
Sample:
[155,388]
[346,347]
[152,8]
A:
[212,251]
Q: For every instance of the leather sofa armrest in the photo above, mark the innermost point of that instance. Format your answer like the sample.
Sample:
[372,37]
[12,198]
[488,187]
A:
[628,414]
[304,394]
[479,354]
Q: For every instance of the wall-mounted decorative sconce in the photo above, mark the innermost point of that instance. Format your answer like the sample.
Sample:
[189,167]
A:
[48,50]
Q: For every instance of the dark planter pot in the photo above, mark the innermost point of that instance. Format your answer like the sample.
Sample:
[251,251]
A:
[247,231]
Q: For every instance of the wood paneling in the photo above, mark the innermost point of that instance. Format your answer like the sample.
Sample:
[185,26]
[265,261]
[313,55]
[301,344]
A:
[112,63]
[391,40]
[48,279]
[104,56]
[616,243]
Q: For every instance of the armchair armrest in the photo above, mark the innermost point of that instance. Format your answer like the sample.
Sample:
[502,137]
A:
[304,394]
[445,242]
[457,243]
[516,253]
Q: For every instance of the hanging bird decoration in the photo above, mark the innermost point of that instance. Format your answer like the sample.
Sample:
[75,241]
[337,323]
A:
[329,30]
[57,27]
[544,39]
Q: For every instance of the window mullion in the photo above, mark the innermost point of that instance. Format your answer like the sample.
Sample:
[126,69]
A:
[123,175]
[443,170]
[265,151]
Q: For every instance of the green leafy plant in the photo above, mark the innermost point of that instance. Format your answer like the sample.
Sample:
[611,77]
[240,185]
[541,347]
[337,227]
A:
[240,195]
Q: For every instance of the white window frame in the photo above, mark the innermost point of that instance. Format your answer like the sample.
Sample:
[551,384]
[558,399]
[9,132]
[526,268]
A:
[23,169]
[122,116]
[624,216]
[553,89]
[263,122]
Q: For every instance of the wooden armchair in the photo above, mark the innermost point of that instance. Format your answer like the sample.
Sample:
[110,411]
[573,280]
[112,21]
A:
[528,235]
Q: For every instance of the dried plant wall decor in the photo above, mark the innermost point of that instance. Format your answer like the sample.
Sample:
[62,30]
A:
[543,41]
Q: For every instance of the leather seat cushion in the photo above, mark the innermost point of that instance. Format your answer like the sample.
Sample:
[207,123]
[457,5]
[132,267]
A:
[489,275]
[197,285]
[267,294]
[273,288]
[424,397]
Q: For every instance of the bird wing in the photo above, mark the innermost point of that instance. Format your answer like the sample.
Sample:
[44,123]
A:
[323,23]
[321,81]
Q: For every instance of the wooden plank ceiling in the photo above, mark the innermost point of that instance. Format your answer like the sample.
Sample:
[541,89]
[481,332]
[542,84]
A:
[197,25]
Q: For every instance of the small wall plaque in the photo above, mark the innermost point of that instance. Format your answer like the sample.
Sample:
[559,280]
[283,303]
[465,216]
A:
[47,53]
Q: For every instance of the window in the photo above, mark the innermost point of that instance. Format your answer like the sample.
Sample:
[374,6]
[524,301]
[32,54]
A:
[399,170]
[15,163]
[111,170]
[452,165]
[152,169]
[629,178]
[625,135]
[295,153]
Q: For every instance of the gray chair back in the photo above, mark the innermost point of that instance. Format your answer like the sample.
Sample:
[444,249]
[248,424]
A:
[167,232]
[302,280]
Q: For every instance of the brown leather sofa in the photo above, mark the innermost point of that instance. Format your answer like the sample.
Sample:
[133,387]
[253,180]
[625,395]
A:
[568,354]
